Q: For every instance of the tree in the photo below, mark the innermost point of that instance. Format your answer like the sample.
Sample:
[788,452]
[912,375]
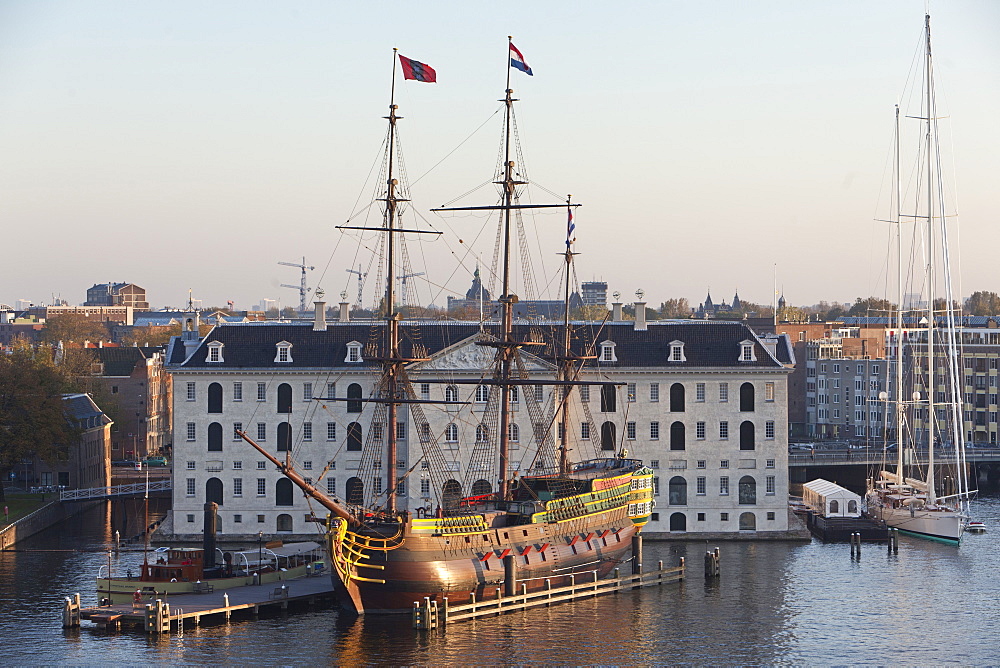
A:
[872,306]
[32,418]
[983,303]
[77,327]
[675,308]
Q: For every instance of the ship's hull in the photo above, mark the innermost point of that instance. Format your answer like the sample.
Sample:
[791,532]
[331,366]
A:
[463,565]
[943,525]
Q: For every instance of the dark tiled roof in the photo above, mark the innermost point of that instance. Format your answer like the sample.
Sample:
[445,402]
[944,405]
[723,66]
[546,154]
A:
[121,361]
[253,345]
[81,409]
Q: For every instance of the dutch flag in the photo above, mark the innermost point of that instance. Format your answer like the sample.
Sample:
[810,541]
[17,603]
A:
[517,60]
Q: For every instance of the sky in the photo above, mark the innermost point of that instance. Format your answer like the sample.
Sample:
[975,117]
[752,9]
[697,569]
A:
[722,145]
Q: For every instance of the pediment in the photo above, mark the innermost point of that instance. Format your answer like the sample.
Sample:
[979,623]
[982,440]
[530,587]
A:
[467,356]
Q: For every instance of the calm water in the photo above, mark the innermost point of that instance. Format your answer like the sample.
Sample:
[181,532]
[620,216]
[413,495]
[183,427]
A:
[775,603]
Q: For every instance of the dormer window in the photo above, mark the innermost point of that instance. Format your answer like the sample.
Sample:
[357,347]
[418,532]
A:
[677,352]
[353,352]
[746,352]
[608,352]
[215,352]
[284,352]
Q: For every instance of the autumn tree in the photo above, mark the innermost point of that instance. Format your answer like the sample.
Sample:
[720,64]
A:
[77,327]
[872,306]
[32,418]
[983,303]
[675,308]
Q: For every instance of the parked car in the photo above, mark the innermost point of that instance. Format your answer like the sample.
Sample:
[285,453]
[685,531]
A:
[155,461]
[123,462]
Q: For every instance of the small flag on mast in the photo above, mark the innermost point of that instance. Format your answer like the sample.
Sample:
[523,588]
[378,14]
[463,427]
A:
[517,60]
[570,229]
[413,69]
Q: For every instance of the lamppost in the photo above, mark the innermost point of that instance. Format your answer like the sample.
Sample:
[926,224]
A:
[260,554]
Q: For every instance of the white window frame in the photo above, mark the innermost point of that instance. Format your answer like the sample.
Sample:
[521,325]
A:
[677,352]
[354,353]
[283,352]
[608,352]
[214,355]
[747,353]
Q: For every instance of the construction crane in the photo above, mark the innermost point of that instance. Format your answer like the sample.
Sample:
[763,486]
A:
[301,287]
[402,285]
[361,282]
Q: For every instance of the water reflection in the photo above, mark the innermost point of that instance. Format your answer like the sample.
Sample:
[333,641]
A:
[775,603]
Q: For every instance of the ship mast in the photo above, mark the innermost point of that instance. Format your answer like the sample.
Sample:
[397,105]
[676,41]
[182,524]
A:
[931,385]
[392,365]
[566,367]
[900,406]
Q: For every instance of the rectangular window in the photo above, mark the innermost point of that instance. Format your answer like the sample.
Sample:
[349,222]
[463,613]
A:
[237,466]
[425,431]
[724,464]
[630,430]
[654,392]
[539,392]
[237,519]
[654,463]
[654,431]
[425,487]
[724,486]
[770,515]
[261,486]
[768,391]
[261,466]
[769,484]
[307,465]
[724,429]
[699,392]
[724,517]
[769,429]
[237,428]
[769,463]
[307,431]
[191,466]
[237,391]
[401,431]
[237,486]
[656,485]
[307,391]
[700,485]
[425,391]
[192,431]
[261,391]
[191,396]
[262,431]
[331,486]
[585,393]
[701,517]
[723,392]
[701,463]
[699,431]
[331,390]
[585,430]
[331,431]
[190,486]
[631,392]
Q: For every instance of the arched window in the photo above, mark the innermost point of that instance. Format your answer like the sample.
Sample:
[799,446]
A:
[678,522]
[451,393]
[284,523]
[834,507]
[677,436]
[215,437]
[451,433]
[852,506]
[354,437]
[748,522]
[482,433]
[452,492]
[354,393]
[284,398]
[609,402]
[481,487]
[608,439]
[284,437]
[746,397]
[676,398]
[283,492]
[482,394]
[747,436]
[514,433]
[213,491]
[677,491]
[748,490]
[215,398]
[355,491]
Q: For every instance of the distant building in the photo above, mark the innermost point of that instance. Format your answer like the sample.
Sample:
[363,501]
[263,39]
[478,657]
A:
[709,309]
[594,293]
[122,314]
[89,461]
[117,294]
[478,297]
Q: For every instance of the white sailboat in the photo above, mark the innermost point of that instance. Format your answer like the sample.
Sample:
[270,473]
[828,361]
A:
[929,423]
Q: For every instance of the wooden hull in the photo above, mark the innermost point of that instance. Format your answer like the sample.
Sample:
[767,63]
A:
[461,565]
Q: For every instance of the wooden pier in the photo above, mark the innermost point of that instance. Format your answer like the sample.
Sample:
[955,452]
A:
[428,614]
[161,615]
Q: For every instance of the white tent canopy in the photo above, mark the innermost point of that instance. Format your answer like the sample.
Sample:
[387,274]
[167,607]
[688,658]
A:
[830,499]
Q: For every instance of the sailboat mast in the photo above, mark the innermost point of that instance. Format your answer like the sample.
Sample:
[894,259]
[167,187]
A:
[566,362]
[931,385]
[391,348]
[900,406]
[506,299]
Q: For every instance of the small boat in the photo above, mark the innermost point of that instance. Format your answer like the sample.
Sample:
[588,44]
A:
[975,527]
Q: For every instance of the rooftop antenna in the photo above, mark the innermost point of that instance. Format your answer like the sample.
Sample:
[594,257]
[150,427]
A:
[301,287]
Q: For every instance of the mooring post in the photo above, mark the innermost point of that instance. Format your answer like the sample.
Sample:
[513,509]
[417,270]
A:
[509,576]
[548,588]
[444,611]
[637,554]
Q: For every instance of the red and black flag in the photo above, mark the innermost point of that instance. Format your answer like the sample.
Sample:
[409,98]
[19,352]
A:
[416,70]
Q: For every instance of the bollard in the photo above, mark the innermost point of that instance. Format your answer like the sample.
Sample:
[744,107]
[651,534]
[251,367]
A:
[509,576]
[225,604]
[637,554]
[548,588]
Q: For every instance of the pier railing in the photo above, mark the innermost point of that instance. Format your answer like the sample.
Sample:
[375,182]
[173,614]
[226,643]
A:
[114,490]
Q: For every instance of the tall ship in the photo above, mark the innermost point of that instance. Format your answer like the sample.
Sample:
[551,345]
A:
[925,491]
[556,518]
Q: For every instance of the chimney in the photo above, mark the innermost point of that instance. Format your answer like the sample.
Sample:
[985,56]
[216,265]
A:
[616,311]
[319,322]
[345,312]
[640,316]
